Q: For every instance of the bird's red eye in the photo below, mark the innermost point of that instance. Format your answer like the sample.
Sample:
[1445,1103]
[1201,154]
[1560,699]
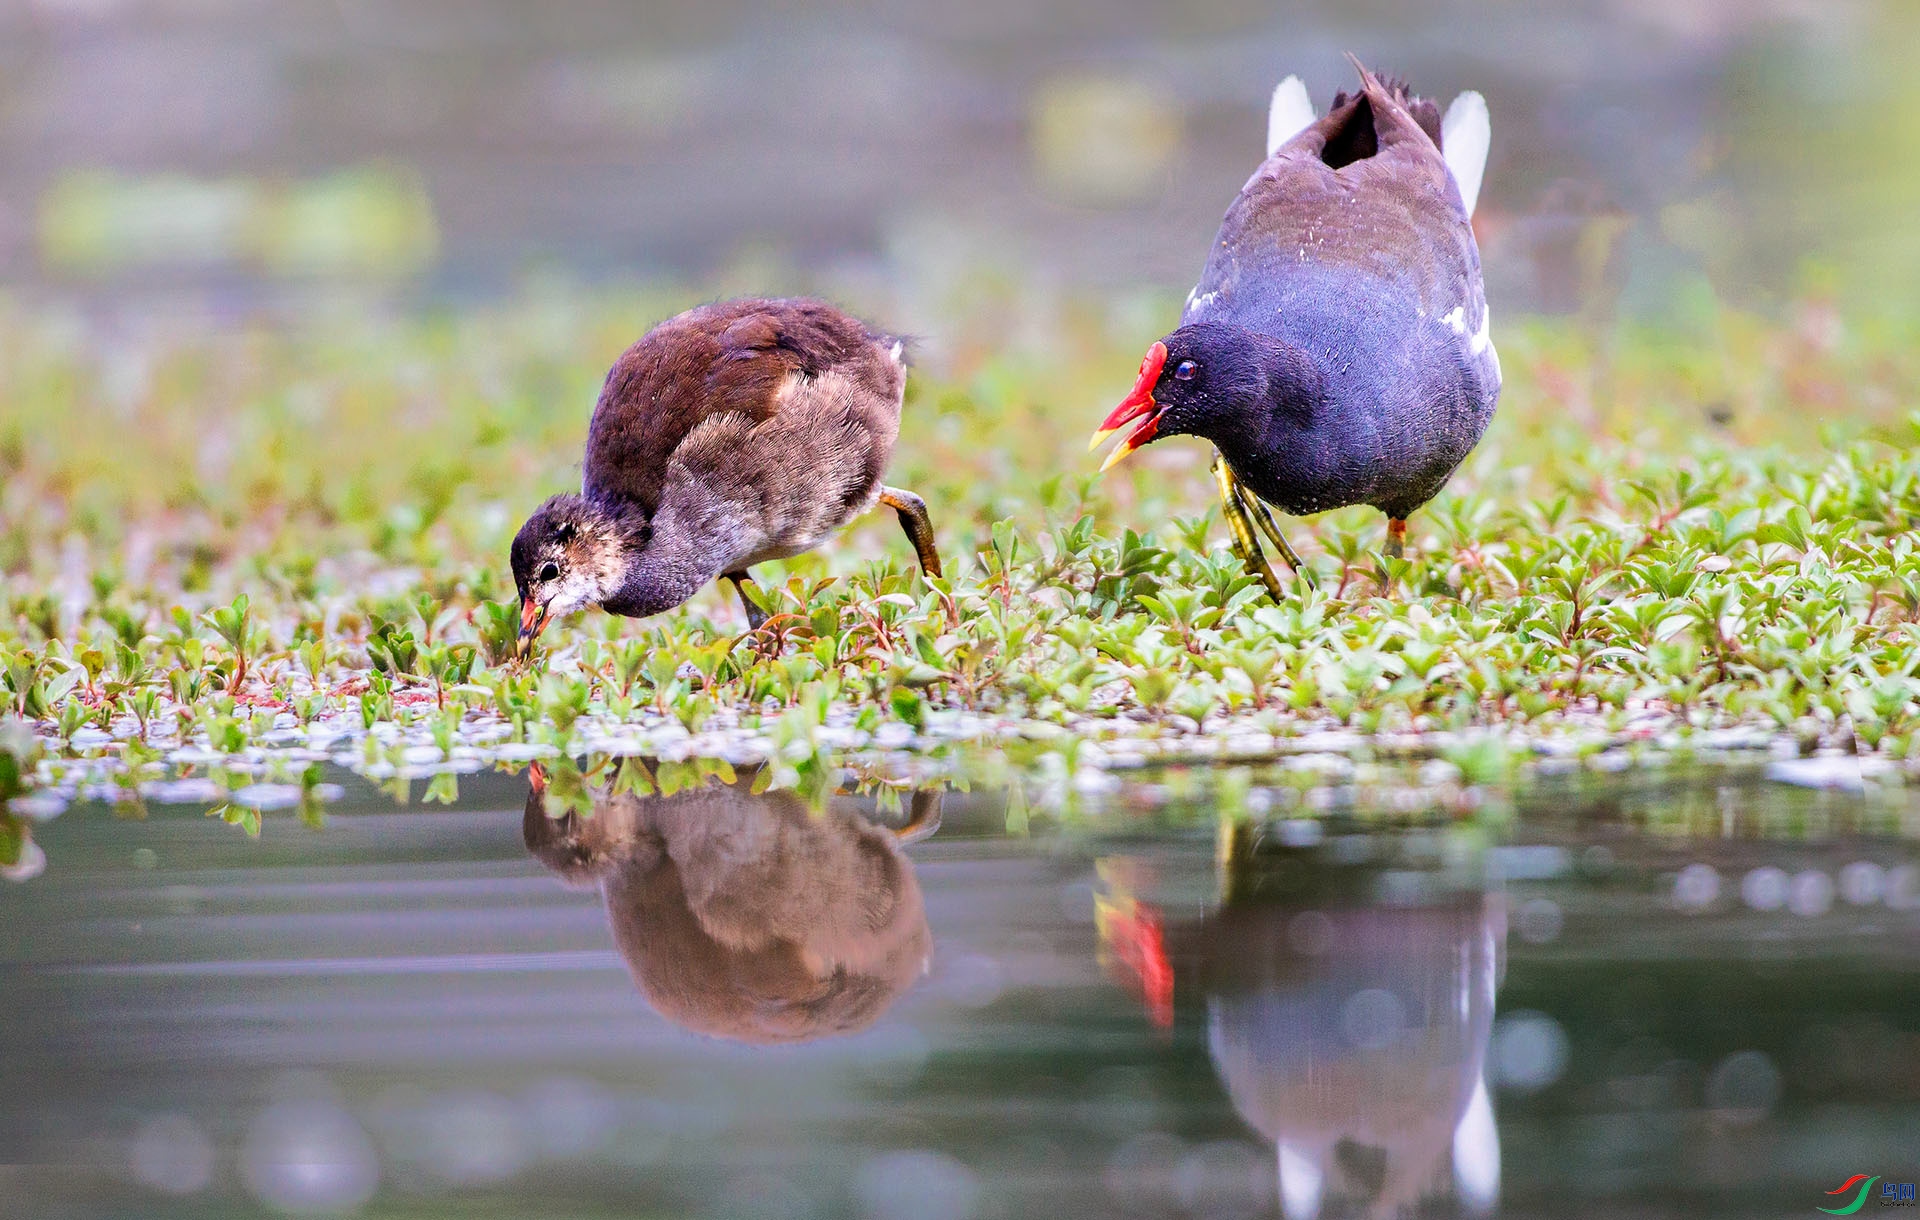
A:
[1185,370]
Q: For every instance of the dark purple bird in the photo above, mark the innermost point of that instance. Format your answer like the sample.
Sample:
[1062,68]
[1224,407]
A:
[1336,350]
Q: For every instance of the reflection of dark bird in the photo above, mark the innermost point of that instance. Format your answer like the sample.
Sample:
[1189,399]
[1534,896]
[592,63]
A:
[1350,1033]
[749,916]
[1355,1040]
[1336,349]
[730,435]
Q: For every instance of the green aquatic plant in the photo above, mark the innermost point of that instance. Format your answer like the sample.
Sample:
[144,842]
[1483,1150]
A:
[1614,572]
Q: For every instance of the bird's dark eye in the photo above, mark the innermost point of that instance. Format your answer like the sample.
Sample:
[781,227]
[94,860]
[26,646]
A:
[1185,370]
[550,572]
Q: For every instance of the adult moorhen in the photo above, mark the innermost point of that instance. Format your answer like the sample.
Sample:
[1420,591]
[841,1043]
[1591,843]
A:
[730,435]
[1336,349]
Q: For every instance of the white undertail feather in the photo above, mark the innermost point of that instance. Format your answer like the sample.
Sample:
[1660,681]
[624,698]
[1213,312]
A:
[1288,114]
[1476,1152]
[1303,1181]
[1465,136]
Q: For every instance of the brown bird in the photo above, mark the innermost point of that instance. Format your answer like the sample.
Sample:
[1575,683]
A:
[730,435]
[749,916]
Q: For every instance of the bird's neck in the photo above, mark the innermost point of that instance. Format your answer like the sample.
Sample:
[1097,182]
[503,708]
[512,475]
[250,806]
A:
[666,569]
[1288,403]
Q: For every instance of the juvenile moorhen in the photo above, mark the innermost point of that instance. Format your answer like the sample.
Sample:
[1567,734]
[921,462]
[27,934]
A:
[729,435]
[1336,349]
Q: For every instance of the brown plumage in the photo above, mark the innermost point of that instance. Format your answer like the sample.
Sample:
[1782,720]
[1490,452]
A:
[732,434]
[748,916]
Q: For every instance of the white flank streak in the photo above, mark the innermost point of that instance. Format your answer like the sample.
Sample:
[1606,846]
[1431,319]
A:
[1456,321]
[1289,113]
[1483,336]
[1465,136]
[1197,303]
[897,349]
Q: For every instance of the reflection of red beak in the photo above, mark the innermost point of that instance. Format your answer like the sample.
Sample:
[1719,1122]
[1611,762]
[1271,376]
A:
[1132,932]
[533,618]
[537,776]
[1137,405]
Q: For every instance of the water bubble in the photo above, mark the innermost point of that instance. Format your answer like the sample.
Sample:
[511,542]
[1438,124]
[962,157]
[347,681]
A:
[1697,887]
[1764,888]
[308,1156]
[171,1154]
[916,1184]
[1810,894]
[1528,1051]
[1373,1019]
[1540,921]
[1743,1088]
[1862,883]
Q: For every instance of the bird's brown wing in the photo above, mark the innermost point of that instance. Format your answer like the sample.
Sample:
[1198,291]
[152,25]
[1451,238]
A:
[732,358]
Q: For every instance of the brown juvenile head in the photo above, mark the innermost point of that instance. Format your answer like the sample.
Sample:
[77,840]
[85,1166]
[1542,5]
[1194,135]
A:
[570,554]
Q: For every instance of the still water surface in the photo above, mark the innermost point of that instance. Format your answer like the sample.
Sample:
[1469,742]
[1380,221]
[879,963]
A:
[1647,999]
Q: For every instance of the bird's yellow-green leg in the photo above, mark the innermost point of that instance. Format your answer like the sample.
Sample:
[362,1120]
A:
[1244,542]
[1396,537]
[1271,528]
[912,511]
[749,601]
[923,817]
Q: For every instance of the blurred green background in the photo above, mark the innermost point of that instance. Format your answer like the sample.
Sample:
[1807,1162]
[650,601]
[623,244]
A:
[1647,153]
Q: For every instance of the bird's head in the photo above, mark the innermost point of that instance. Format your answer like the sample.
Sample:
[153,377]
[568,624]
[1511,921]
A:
[1200,380]
[570,554]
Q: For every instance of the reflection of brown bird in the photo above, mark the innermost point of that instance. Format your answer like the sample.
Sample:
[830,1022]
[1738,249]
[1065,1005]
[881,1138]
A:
[748,916]
[730,435]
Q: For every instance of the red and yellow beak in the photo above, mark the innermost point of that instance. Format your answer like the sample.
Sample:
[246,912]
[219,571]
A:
[1137,405]
[533,619]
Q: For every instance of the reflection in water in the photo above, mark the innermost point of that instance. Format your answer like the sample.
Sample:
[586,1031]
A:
[747,915]
[1351,1030]
[1354,1036]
